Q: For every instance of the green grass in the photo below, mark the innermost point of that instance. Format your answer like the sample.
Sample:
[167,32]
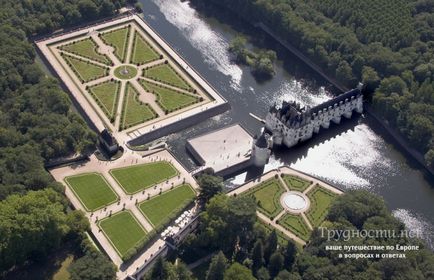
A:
[295,183]
[87,48]
[123,231]
[118,39]
[320,201]
[107,95]
[142,51]
[296,225]
[159,208]
[86,71]
[166,74]
[63,273]
[168,99]
[267,195]
[92,190]
[139,177]
[134,111]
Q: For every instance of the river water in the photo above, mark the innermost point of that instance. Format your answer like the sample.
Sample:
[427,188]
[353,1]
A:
[350,156]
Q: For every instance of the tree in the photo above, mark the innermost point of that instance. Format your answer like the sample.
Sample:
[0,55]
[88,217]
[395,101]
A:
[31,227]
[257,256]
[92,266]
[270,245]
[209,186]
[275,264]
[217,267]
[290,254]
[227,222]
[344,72]
[161,271]
[262,274]
[238,272]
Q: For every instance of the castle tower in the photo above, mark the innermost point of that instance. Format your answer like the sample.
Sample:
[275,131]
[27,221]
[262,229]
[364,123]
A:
[261,150]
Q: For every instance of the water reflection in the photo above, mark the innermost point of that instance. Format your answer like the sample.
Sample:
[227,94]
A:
[351,155]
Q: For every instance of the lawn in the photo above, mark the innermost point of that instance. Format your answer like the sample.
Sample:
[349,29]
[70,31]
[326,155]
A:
[85,71]
[295,183]
[118,39]
[134,111]
[106,95]
[162,208]
[123,231]
[168,99]
[142,51]
[92,190]
[166,74]
[87,48]
[320,201]
[296,225]
[139,177]
[267,195]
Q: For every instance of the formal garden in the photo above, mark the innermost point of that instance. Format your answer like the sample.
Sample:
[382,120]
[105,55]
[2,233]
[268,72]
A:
[320,199]
[118,39]
[267,195]
[87,48]
[92,190]
[140,177]
[142,51]
[168,99]
[162,209]
[292,203]
[118,57]
[295,224]
[106,95]
[124,232]
[165,73]
[135,111]
[296,183]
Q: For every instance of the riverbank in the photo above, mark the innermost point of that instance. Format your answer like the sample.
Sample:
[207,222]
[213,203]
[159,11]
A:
[400,142]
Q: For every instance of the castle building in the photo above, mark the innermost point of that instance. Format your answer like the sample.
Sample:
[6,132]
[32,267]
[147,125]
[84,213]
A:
[292,123]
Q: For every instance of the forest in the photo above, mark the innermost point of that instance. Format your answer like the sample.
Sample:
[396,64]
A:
[243,248]
[37,123]
[386,44]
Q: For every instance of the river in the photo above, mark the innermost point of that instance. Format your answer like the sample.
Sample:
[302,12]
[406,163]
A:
[350,156]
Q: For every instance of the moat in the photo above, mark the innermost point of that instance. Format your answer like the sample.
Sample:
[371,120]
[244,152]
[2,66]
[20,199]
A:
[351,155]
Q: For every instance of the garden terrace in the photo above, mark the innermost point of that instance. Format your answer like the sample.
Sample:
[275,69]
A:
[122,50]
[140,177]
[166,74]
[168,99]
[135,111]
[92,190]
[106,95]
[84,70]
[321,200]
[296,183]
[295,224]
[267,195]
[123,231]
[86,48]
[162,209]
[118,39]
[143,52]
